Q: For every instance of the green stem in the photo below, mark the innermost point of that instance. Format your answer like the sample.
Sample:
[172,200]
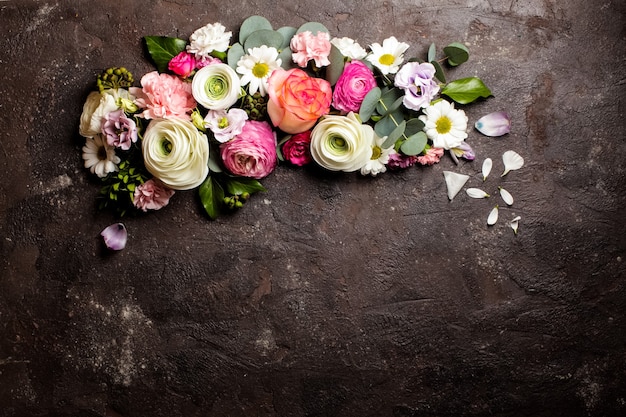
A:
[393,119]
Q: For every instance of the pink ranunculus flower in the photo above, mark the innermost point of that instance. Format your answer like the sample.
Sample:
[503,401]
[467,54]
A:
[164,96]
[297,150]
[417,81]
[252,153]
[431,157]
[297,100]
[183,64]
[352,86]
[152,195]
[307,47]
[120,131]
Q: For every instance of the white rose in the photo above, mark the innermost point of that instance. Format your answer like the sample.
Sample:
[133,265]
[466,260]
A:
[342,143]
[96,107]
[175,152]
[216,86]
[349,48]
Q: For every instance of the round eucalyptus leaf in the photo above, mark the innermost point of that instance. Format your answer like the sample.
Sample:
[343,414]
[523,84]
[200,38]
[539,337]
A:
[252,24]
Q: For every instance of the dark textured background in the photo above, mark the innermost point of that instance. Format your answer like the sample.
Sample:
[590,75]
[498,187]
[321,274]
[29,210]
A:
[329,295]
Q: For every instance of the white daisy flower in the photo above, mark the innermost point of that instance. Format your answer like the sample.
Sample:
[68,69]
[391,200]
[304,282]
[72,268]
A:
[257,66]
[209,38]
[99,157]
[349,48]
[388,57]
[380,157]
[444,125]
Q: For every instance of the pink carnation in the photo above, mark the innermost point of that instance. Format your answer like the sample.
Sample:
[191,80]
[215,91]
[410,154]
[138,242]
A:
[152,195]
[400,161]
[432,156]
[164,96]
[297,150]
[183,64]
[307,47]
[355,82]
[252,153]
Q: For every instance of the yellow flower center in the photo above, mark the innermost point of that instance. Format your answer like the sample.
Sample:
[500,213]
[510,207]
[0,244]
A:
[337,144]
[443,125]
[260,69]
[376,153]
[386,59]
[223,123]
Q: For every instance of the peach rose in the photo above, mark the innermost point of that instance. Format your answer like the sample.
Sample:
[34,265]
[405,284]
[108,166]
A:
[297,100]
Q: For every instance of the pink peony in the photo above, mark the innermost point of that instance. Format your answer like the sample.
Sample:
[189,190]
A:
[252,153]
[352,86]
[307,47]
[183,64]
[152,195]
[297,150]
[432,156]
[164,96]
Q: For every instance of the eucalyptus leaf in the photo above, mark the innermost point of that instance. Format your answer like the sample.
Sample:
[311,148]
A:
[337,64]
[287,32]
[457,53]
[212,197]
[386,103]
[240,185]
[251,25]
[162,49]
[394,135]
[466,90]
[368,105]
[387,124]
[312,27]
[415,144]
[432,53]
[439,74]
[267,37]
[286,59]
[413,126]
[235,52]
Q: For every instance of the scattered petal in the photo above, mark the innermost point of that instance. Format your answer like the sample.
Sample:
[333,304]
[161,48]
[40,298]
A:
[512,161]
[506,196]
[487,164]
[493,216]
[515,223]
[115,236]
[476,193]
[494,124]
[454,182]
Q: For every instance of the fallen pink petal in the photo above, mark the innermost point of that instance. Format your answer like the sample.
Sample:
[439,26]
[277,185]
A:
[494,124]
[115,236]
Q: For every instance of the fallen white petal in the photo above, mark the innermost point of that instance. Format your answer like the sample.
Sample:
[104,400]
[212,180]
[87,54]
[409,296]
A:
[494,124]
[115,236]
[506,196]
[515,223]
[476,193]
[512,161]
[487,164]
[493,216]
[454,182]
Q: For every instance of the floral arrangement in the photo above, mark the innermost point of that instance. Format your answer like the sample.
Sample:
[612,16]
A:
[219,115]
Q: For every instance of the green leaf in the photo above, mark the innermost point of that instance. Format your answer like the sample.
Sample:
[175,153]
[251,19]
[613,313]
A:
[240,185]
[162,49]
[432,53]
[457,53]
[312,27]
[251,25]
[214,158]
[212,197]
[286,57]
[337,64]
[368,105]
[387,100]
[439,74]
[415,144]
[413,126]
[287,32]
[388,124]
[466,90]
[267,37]
[394,135]
[235,52]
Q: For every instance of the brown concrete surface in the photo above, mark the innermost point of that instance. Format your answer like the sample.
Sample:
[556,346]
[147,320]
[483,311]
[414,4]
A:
[329,295]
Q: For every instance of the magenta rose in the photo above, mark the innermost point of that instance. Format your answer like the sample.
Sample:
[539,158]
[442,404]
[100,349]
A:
[252,153]
[352,86]
[183,64]
[152,195]
[297,150]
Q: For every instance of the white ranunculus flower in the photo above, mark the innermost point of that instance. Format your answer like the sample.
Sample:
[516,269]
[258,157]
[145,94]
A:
[216,86]
[96,107]
[342,143]
[176,153]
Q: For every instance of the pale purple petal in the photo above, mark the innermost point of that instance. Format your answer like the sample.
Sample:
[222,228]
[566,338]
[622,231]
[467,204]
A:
[115,236]
[494,124]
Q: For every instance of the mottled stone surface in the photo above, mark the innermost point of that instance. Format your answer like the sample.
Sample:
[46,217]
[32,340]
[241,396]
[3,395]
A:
[329,295]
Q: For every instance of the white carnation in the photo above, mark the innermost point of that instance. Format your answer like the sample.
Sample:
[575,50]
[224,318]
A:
[349,48]
[212,37]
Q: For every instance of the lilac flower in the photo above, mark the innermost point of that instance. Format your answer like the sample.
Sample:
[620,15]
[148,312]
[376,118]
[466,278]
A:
[418,84]
[494,124]
[115,236]
[120,131]
[462,151]
[225,125]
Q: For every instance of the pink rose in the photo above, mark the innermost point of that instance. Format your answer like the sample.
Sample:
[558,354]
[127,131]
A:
[297,150]
[164,96]
[152,195]
[352,86]
[183,64]
[252,153]
[306,47]
[432,156]
[296,100]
